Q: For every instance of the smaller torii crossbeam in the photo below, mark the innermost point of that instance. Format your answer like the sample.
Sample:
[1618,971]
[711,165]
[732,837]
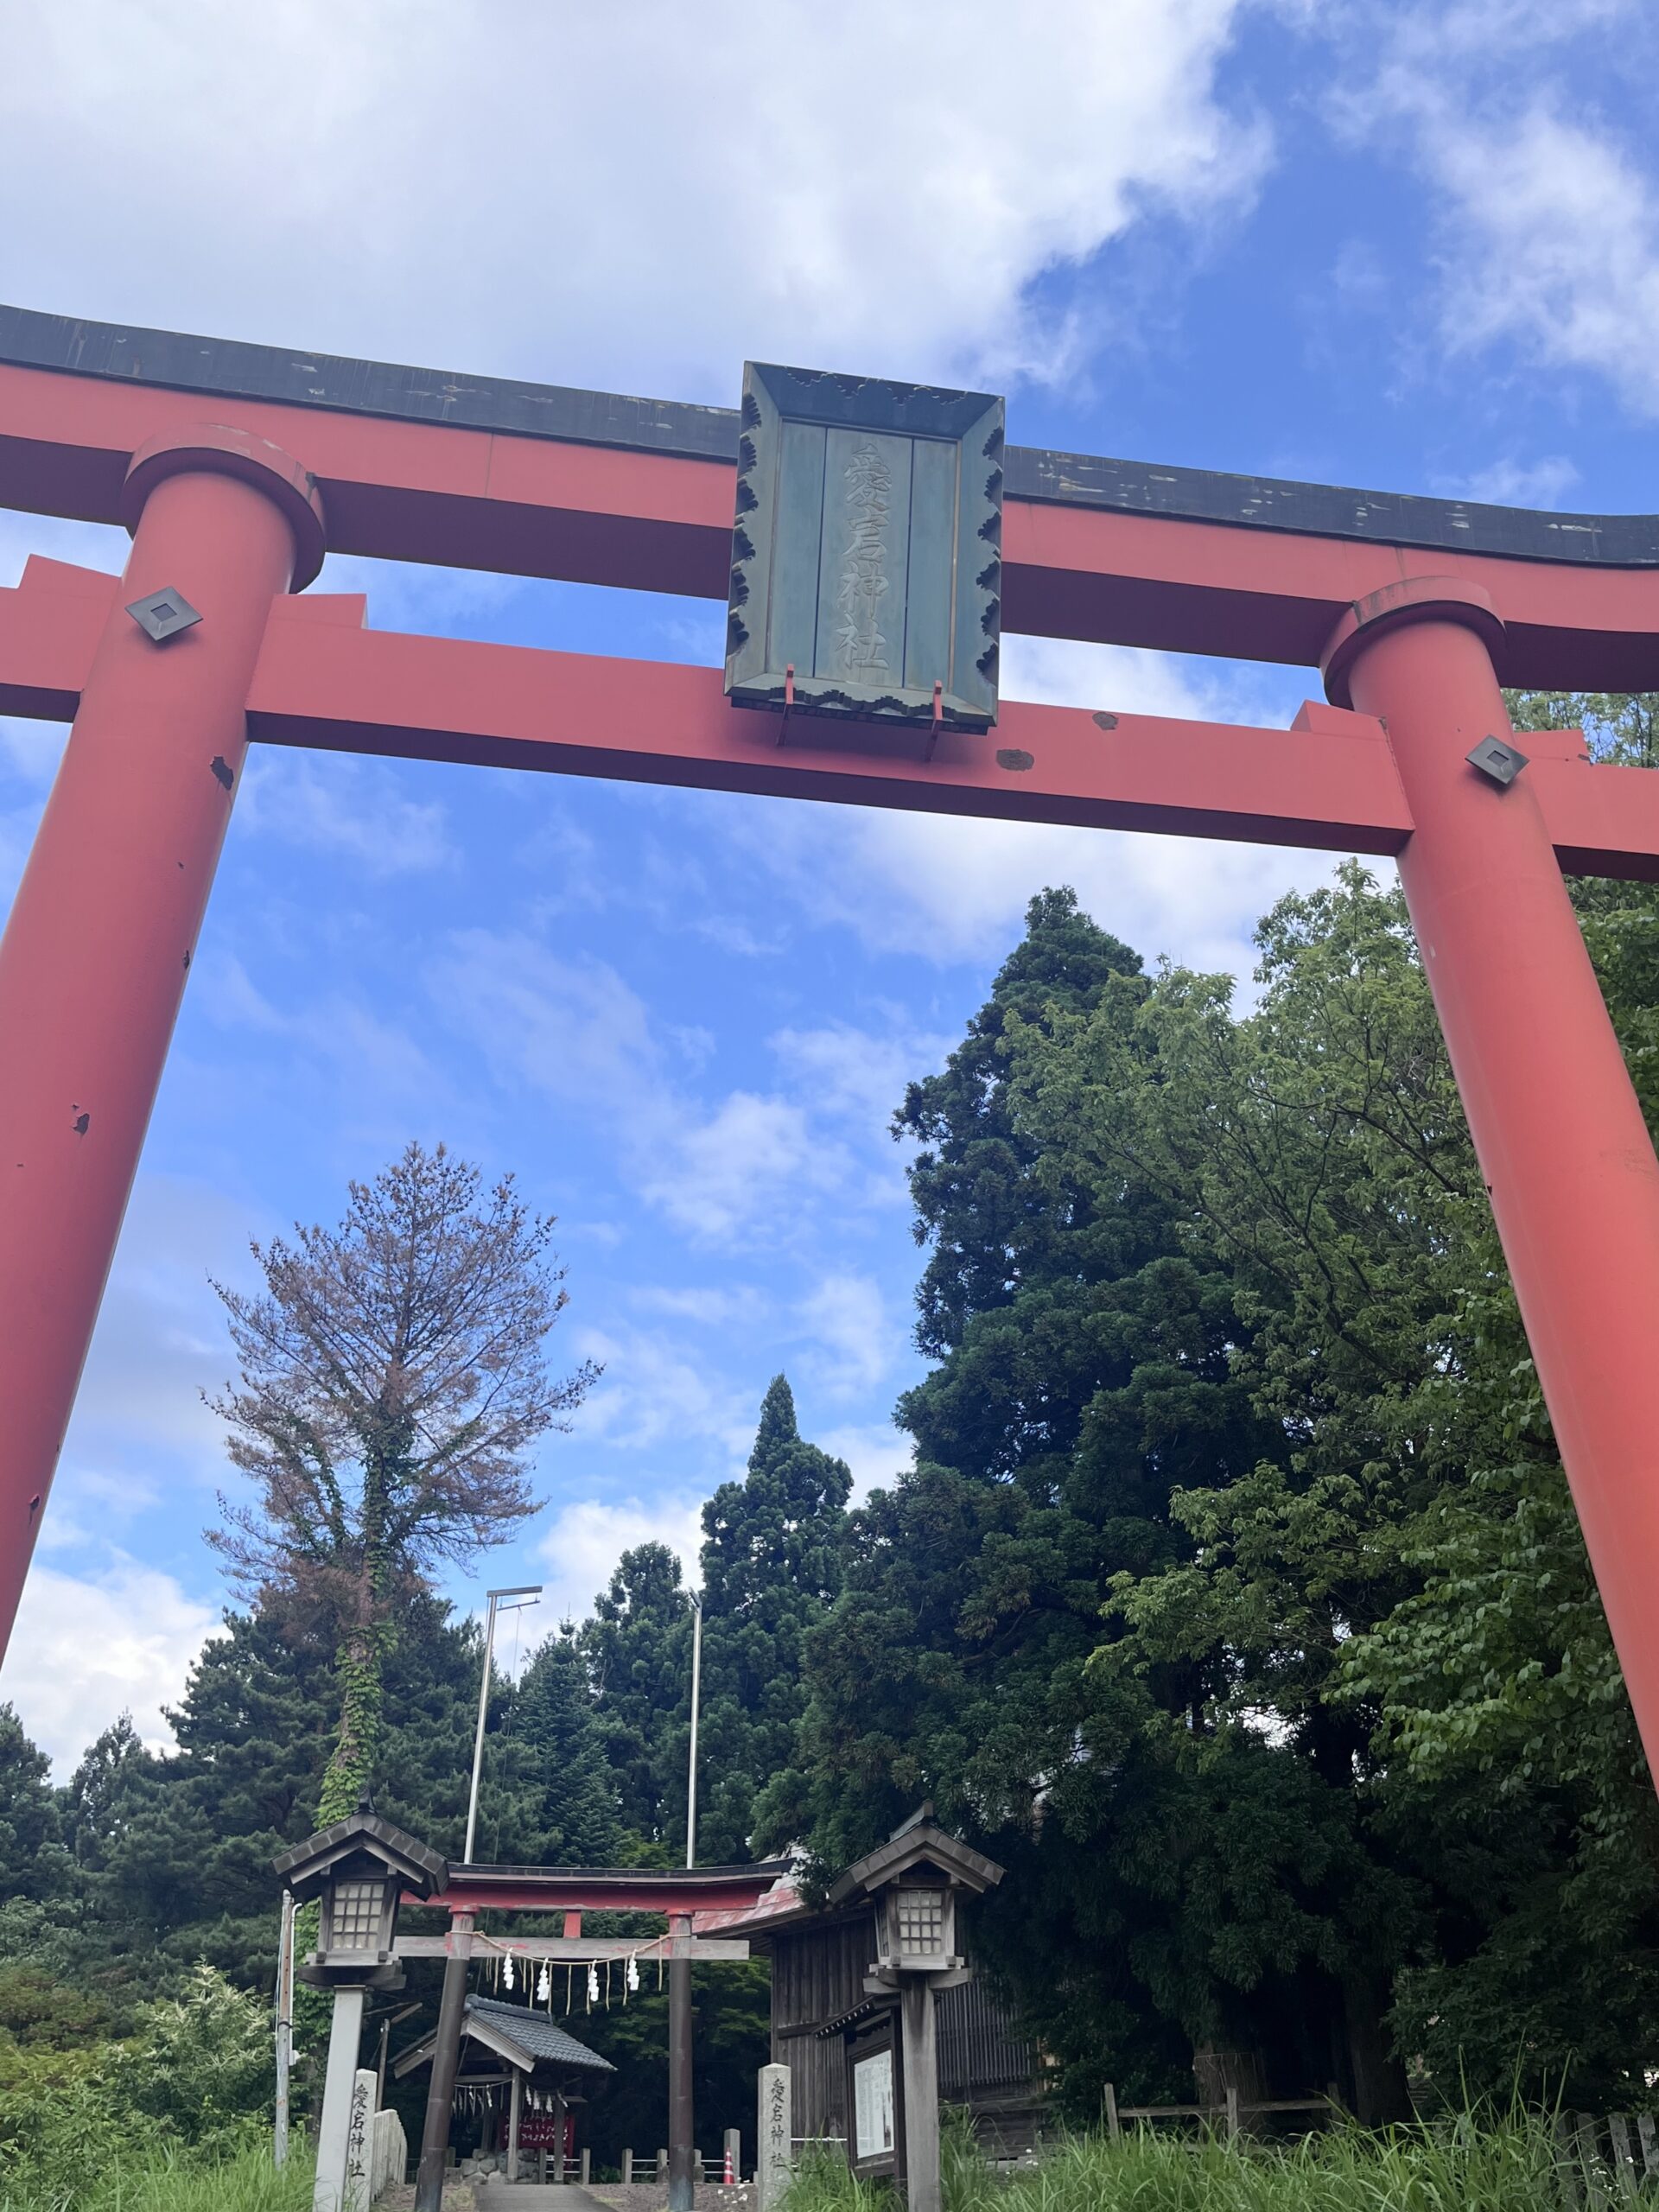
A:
[237,468]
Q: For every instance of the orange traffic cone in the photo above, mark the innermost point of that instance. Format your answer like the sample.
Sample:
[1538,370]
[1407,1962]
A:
[729,2176]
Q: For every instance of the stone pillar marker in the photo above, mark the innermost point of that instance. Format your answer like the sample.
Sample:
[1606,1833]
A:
[359,2143]
[774,2138]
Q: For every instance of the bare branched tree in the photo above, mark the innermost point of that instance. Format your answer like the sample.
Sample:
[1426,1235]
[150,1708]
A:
[393,1379]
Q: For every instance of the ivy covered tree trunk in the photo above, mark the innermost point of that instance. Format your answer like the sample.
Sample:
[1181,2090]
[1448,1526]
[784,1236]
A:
[362,1653]
[350,1767]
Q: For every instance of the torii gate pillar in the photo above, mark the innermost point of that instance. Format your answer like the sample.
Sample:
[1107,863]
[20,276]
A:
[93,961]
[1560,1135]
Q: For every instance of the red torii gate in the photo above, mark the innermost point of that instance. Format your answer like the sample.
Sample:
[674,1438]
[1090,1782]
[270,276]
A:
[236,467]
[683,1896]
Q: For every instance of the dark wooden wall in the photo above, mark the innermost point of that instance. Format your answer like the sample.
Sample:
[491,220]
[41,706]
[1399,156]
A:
[818,1970]
[817,1979]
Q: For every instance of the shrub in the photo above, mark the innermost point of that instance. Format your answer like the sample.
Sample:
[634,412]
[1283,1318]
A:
[201,2066]
[192,2087]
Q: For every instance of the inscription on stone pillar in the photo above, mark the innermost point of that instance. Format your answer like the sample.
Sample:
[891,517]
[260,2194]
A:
[774,2148]
[359,2143]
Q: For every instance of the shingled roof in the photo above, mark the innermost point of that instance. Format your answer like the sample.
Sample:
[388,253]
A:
[305,1867]
[525,2038]
[539,2033]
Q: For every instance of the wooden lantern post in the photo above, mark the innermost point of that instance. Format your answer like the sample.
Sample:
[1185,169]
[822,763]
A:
[915,1879]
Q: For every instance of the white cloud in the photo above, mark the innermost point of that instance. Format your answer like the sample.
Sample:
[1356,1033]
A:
[653,1395]
[159,1344]
[571,1027]
[391,1084]
[594,194]
[733,1172]
[1547,230]
[708,1307]
[1555,246]
[957,890]
[1512,483]
[577,1031]
[580,1551]
[85,1648]
[850,1334]
[850,1073]
[353,809]
[876,1451]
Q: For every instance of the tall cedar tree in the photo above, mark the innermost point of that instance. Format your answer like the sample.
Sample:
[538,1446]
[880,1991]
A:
[393,1381]
[771,1563]
[636,1648]
[1181,1896]
[562,1751]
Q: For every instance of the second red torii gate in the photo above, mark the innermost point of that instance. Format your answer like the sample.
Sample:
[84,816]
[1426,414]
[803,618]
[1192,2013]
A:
[680,1895]
[237,468]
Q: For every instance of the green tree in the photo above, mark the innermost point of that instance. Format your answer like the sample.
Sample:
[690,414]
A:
[393,1378]
[637,1647]
[1180,1892]
[771,1563]
[33,1862]
[1404,1593]
[201,2067]
[561,1745]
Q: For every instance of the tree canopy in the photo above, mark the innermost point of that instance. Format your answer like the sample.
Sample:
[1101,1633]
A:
[393,1377]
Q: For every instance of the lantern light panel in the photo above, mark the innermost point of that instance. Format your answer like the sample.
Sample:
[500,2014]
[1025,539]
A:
[355,1910]
[916,1925]
[920,1915]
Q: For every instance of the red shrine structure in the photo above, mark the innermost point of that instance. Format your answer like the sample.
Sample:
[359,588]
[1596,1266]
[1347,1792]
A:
[237,467]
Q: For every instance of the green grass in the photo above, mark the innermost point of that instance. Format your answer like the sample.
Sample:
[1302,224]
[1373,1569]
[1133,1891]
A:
[1509,2165]
[247,2183]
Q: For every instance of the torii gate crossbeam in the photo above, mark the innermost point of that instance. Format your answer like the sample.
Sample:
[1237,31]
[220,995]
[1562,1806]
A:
[237,466]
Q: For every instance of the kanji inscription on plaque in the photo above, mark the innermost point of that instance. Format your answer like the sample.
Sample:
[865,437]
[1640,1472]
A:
[867,550]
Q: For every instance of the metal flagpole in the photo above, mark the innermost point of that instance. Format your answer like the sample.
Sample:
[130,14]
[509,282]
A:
[682,2123]
[284,2027]
[530,1592]
[696,1687]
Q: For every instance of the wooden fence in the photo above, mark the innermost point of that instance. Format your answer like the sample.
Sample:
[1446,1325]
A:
[1228,2117]
[636,2168]
[1607,2162]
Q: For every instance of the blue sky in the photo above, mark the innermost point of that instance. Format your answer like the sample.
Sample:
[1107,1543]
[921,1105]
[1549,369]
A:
[1415,248]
